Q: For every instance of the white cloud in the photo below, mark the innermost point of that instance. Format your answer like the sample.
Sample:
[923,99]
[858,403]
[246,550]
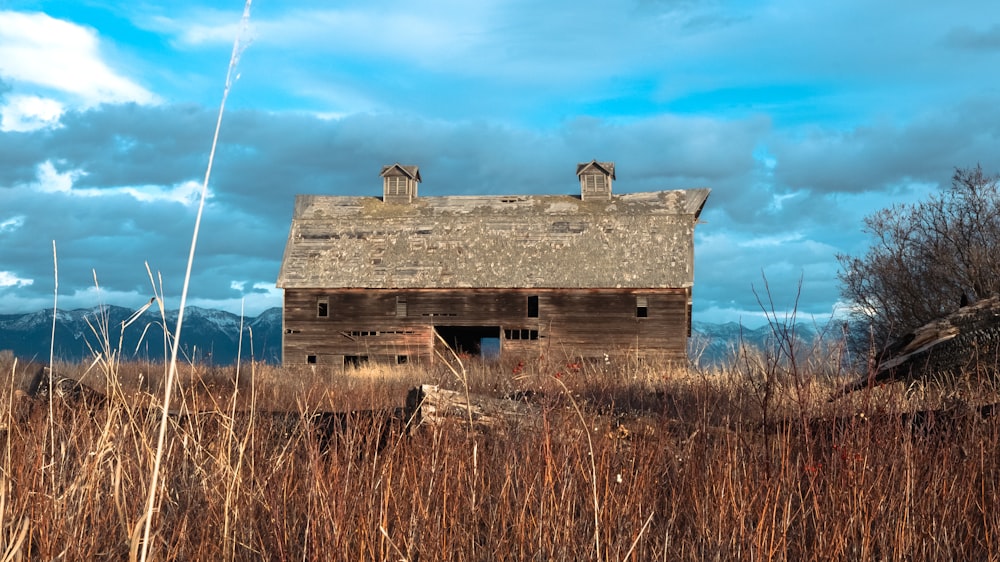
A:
[439,34]
[37,50]
[407,30]
[12,224]
[96,295]
[771,241]
[28,113]
[50,180]
[185,193]
[237,285]
[8,279]
[330,115]
[252,303]
[721,314]
[198,26]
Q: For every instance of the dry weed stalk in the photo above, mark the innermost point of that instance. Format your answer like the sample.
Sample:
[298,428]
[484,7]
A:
[668,478]
[593,468]
[172,373]
[52,362]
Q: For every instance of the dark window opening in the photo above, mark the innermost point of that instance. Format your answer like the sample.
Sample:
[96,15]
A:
[641,307]
[402,359]
[480,341]
[363,333]
[355,360]
[311,359]
[292,331]
[533,306]
[512,334]
[323,308]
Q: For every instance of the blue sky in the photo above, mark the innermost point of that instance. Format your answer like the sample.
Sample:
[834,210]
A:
[803,117]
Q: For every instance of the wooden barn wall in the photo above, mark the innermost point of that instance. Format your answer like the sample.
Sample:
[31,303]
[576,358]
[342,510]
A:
[577,322]
[607,321]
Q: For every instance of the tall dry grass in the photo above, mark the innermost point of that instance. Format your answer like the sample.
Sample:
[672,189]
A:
[678,465]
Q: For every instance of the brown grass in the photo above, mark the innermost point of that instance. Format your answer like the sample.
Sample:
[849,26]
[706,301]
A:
[747,463]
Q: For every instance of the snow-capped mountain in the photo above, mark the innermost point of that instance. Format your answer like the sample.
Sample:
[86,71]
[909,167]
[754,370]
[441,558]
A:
[213,335]
[207,335]
[717,344]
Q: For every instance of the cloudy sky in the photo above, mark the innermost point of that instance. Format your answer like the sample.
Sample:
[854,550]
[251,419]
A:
[803,117]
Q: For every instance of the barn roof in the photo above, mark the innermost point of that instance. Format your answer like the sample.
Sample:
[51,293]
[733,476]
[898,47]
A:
[635,240]
[412,172]
[606,167]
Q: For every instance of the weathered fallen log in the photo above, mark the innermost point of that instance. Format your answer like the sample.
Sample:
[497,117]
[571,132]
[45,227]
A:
[67,388]
[431,405]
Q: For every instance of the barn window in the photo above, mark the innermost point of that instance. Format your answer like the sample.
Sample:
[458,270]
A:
[641,307]
[395,185]
[595,184]
[514,334]
[402,359]
[323,308]
[311,359]
[400,306]
[533,306]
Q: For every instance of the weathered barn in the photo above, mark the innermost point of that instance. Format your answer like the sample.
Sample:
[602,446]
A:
[369,278]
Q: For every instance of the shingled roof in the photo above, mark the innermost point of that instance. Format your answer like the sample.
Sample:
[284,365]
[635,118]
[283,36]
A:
[606,167]
[636,240]
[412,172]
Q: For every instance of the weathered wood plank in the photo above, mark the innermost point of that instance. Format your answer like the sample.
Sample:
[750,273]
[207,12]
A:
[578,322]
[434,406]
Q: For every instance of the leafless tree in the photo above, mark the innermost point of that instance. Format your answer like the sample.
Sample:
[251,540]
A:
[925,256]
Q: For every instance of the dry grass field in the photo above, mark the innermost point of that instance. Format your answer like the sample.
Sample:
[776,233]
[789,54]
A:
[625,461]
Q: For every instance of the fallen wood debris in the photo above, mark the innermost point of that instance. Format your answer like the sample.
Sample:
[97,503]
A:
[434,406]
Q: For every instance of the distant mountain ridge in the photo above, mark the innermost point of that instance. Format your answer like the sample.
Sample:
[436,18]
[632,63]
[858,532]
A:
[212,336]
[716,344]
[209,336]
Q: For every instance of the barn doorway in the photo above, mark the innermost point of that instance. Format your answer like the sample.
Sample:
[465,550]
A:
[478,341]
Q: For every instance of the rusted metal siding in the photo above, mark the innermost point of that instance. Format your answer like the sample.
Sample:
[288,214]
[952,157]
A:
[588,322]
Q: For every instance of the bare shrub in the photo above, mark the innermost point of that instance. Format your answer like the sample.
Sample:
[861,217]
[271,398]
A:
[924,257]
